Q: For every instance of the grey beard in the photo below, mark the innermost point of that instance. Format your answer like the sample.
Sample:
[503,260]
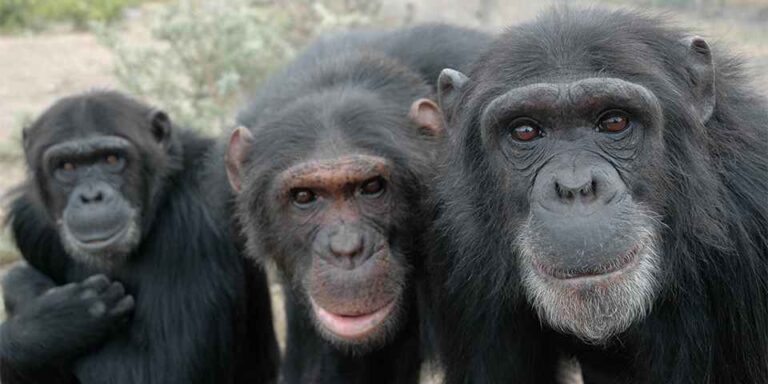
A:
[102,259]
[596,313]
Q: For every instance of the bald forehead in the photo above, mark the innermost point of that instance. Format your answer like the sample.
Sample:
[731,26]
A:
[335,172]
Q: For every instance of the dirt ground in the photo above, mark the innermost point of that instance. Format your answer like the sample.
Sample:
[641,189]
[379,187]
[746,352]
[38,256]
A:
[35,70]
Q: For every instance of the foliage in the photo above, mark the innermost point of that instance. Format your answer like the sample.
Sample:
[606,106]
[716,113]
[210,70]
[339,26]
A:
[208,53]
[36,14]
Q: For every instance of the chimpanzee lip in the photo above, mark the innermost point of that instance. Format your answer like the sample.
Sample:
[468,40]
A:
[102,242]
[620,265]
[352,327]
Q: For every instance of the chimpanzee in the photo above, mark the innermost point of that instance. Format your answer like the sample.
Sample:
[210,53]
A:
[332,173]
[133,275]
[609,178]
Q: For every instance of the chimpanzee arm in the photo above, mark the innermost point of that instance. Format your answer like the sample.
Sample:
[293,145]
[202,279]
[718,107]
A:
[22,284]
[52,325]
[185,325]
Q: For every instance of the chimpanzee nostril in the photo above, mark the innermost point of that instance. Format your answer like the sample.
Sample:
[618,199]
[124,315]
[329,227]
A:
[92,196]
[588,189]
[561,192]
[583,184]
[585,192]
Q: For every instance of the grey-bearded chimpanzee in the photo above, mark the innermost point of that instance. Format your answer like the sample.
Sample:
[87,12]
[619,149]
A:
[332,173]
[132,274]
[611,173]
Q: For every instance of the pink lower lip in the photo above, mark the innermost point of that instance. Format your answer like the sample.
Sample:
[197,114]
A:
[352,327]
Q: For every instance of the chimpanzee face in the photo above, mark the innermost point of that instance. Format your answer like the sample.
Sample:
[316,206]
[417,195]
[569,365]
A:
[336,219]
[90,170]
[579,161]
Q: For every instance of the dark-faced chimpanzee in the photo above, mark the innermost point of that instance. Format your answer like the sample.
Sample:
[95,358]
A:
[332,172]
[611,173]
[132,274]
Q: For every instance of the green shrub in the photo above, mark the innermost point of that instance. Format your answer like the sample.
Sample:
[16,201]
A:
[14,14]
[207,53]
[36,14]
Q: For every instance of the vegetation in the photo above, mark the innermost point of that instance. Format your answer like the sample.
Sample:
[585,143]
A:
[208,53]
[16,15]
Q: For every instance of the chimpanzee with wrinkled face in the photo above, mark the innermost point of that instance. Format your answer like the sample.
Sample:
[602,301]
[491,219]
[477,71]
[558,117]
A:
[332,173]
[132,275]
[610,173]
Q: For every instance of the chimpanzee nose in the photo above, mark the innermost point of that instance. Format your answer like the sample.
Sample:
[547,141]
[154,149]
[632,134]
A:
[346,242]
[586,182]
[571,188]
[92,194]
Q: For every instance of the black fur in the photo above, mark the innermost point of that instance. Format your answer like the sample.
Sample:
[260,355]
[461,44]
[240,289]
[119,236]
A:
[709,322]
[399,67]
[202,313]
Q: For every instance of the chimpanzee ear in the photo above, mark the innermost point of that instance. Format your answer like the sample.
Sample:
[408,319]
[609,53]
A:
[449,86]
[702,70]
[161,125]
[426,114]
[239,143]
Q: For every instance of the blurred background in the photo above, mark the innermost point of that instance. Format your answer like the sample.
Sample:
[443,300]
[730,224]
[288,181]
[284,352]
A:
[197,58]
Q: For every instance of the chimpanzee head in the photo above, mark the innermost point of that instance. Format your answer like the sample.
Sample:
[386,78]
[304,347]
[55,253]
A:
[98,163]
[330,189]
[563,123]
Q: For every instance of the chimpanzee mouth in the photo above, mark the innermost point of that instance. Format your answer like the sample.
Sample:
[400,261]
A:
[620,265]
[356,326]
[102,240]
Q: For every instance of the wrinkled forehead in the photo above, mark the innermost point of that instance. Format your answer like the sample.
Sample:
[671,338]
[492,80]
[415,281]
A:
[339,171]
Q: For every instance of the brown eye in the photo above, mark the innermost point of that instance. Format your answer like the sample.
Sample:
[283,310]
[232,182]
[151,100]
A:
[303,197]
[67,166]
[372,187]
[614,122]
[112,159]
[526,132]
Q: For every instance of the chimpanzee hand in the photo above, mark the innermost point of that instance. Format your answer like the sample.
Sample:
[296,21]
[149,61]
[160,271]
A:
[65,321]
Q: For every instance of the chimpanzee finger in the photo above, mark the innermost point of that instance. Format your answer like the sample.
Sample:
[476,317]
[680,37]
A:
[114,293]
[62,289]
[96,282]
[123,307]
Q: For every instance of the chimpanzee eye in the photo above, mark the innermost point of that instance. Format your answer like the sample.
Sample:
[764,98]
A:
[114,161]
[67,166]
[373,187]
[525,130]
[65,171]
[303,197]
[613,121]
